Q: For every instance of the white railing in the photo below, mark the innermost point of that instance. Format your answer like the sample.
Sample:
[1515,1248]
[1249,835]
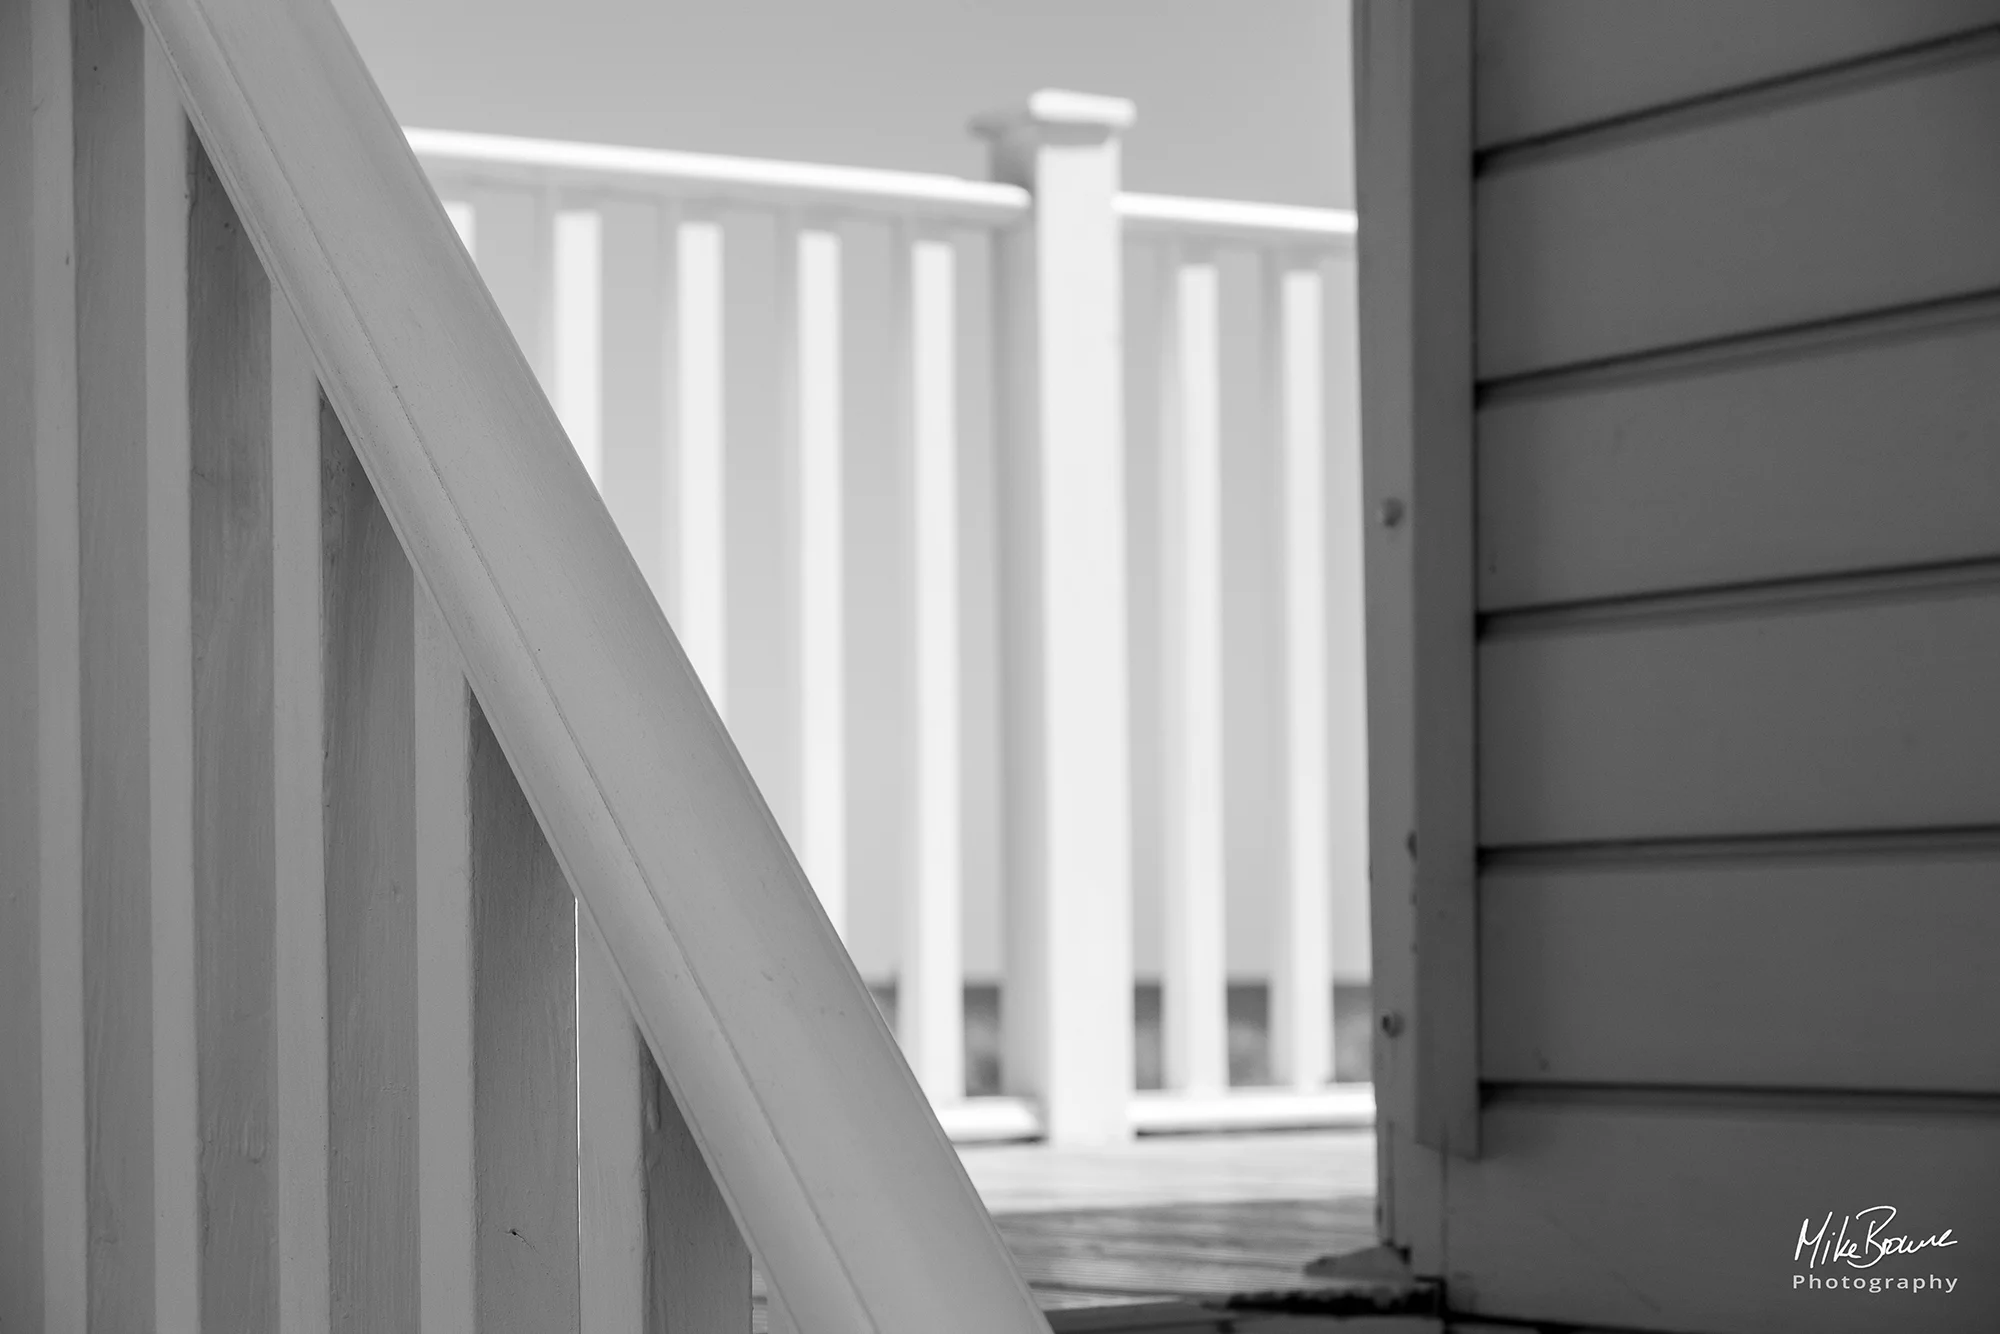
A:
[1053,487]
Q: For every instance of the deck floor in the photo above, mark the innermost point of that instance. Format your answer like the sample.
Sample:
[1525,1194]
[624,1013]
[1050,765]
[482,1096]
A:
[1176,1216]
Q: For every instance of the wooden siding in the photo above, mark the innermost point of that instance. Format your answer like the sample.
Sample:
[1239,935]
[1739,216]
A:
[1738,619]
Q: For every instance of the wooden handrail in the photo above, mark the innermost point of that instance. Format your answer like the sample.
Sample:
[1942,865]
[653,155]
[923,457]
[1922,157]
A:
[823,1145]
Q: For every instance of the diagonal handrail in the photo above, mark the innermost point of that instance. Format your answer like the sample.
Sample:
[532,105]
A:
[820,1139]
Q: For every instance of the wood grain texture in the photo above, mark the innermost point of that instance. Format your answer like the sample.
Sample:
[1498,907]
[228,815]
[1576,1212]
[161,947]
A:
[792,1084]
[299,771]
[21,717]
[229,393]
[42,101]
[113,480]
[610,1176]
[523,1061]
[698,1265]
[371,918]
[1775,216]
[1846,714]
[1845,454]
[446,1178]
[1596,1212]
[1839,970]
[1416,314]
[1552,65]
[176,1105]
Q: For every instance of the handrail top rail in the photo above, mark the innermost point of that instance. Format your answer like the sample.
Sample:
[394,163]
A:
[584,168]
[587,166]
[1264,225]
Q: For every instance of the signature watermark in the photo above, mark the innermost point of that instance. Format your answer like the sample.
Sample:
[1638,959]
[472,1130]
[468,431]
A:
[1831,1253]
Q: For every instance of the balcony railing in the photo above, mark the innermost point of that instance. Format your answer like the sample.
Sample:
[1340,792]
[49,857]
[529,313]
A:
[1048,490]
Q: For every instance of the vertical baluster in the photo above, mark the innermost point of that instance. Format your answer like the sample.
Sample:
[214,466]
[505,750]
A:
[298,741]
[816,427]
[697,1264]
[1194,1016]
[464,221]
[761,370]
[514,244]
[235,857]
[524,1059]
[43,1225]
[699,476]
[1069,977]
[634,449]
[930,1008]
[371,921]
[1301,984]
[611,1205]
[113,505]
[576,322]
[170,708]
[1339,365]
[442,718]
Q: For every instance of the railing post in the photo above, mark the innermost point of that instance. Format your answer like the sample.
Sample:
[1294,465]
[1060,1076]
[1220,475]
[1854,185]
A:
[1068,1002]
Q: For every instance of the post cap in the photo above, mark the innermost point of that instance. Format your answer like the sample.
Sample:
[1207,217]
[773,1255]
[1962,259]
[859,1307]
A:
[1054,112]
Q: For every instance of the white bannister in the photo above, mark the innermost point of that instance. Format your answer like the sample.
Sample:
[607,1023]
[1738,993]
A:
[1051,227]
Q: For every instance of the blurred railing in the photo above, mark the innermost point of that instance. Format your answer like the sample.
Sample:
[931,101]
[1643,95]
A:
[1013,528]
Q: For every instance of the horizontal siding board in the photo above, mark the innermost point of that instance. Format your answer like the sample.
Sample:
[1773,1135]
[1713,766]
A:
[1877,194]
[1685,1217]
[1854,455]
[1830,972]
[1812,718]
[1552,65]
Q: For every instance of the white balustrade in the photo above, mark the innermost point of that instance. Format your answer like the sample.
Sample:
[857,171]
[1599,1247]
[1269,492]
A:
[622,271]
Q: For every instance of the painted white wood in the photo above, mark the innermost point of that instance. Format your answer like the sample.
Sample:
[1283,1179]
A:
[577,325]
[1336,1106]
[1069,899]
[761,567]
[113,504]
[1227,220]
[699,439]
[1553,65]
[634,449]
[1546,1224]
[1413,69]
[1864,713]
[298,744]
[46,166]
[1735,471]
[22,1239]
[524,1063]
[170,705]
[930,992]
[503,158]
[1347,523]
[1301,994]
[831,1159]
[610,1177]
[230,370]
[698,1266]
[1834,971]
[815,423]
[513,258]
[1194,1018]
[464,221]
[441,717]
[1670,239]
[372,939]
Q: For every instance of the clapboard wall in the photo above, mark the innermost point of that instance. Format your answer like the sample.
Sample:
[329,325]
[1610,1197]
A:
[1736,490]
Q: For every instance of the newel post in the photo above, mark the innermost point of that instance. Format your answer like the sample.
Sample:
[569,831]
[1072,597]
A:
[1068,1000]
